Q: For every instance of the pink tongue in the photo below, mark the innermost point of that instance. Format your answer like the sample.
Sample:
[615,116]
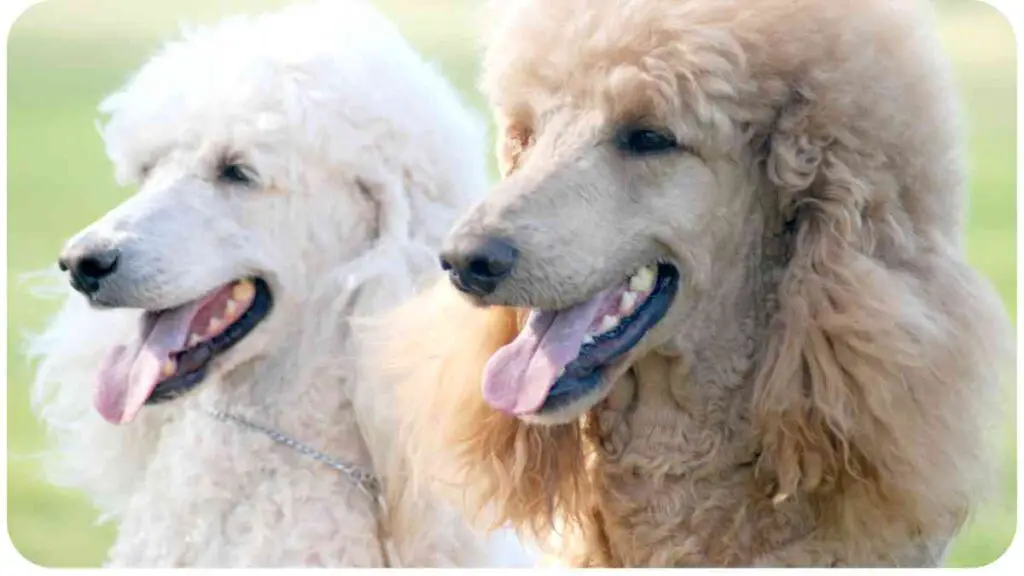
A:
[126,379]
[519,376]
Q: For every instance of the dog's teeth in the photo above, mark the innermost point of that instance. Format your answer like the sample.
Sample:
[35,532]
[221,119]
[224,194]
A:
[627,302]
[588,339]
[243,291]
[609,322]
[643,280]
[193,340]
[167,370]
[231,308]
[215,326]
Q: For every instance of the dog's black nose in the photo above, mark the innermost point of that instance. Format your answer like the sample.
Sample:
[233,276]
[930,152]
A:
[477,265]
[87,268]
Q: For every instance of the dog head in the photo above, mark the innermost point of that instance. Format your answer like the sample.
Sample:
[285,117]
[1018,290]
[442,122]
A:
[271,155]
[657,157]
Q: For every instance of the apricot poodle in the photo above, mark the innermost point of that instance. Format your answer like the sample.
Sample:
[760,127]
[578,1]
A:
[717,312]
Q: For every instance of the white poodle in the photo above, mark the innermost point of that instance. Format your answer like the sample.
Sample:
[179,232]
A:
[295,171]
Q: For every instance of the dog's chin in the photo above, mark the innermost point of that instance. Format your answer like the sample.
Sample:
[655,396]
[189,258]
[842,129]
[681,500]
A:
[575,409]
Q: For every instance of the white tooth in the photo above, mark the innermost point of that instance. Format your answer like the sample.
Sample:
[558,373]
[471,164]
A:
[193,340]
[167,370]
[215,326]
[243,291]
[627,302]
[230,309]
[588,339]
[634,283]
[643,280]
[608,323]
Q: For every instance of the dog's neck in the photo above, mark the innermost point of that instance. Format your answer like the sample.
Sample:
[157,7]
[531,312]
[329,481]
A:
[308,404]
[303,389]
[679,418]
[684,396]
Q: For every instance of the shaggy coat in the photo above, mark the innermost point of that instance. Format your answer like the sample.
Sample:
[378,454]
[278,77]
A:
[818,391]
[357,156]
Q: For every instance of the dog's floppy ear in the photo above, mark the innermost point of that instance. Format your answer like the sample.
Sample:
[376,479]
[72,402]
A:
[866,363]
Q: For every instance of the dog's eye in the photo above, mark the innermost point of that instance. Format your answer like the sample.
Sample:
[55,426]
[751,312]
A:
[643,141]
[239,174]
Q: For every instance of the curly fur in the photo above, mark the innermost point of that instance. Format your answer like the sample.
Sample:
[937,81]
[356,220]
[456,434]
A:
[818,394]
[364,155]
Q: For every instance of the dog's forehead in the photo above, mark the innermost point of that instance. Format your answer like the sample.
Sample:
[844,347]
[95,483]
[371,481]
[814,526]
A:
[602,56]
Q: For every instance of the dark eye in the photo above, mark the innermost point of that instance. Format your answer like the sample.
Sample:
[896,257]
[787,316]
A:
[239,174]
[643,141]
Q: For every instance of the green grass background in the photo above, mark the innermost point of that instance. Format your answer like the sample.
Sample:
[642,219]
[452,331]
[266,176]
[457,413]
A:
[64,55]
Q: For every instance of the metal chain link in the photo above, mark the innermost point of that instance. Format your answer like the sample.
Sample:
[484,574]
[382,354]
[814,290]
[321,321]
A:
[368,483]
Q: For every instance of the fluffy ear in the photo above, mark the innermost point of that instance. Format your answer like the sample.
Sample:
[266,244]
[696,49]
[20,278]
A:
[882,348]
[497,468]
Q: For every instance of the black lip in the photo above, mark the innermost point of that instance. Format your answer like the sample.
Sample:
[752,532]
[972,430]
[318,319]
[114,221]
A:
[192,363]
[583,374]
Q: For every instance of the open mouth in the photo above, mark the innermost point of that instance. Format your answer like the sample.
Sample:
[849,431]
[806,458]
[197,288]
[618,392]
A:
[559,356]
[176,346]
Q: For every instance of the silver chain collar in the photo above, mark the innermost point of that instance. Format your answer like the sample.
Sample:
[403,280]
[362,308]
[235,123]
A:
[368,483]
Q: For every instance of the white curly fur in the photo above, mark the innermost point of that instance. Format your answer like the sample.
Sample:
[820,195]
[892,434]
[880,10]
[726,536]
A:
[364,155]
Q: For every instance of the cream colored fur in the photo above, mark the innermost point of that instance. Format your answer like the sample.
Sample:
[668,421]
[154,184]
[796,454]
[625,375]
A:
[818,392]
[363,156]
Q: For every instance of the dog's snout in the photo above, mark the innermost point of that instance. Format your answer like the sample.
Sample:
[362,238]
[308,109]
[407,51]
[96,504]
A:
[88,267]
[476,265]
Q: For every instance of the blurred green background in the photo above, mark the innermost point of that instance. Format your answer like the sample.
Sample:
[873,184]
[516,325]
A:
[64,55]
